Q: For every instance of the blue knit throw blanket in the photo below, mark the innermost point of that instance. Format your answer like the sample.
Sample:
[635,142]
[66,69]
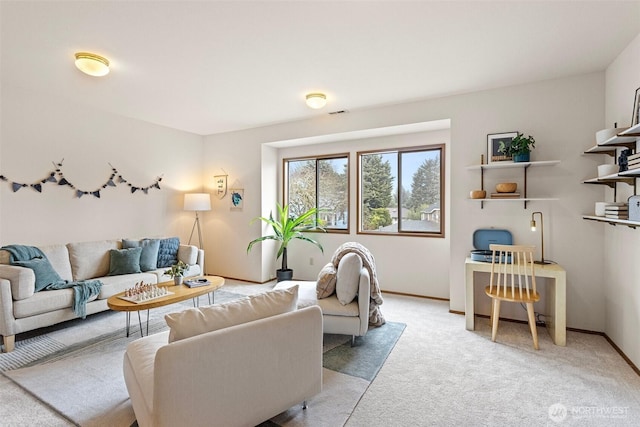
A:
[83,290]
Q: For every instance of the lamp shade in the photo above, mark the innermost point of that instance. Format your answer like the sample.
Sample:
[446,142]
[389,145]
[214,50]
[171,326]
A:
[92,64]
[197,202]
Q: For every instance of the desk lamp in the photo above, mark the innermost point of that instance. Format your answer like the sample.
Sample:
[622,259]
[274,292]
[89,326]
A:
[533,228]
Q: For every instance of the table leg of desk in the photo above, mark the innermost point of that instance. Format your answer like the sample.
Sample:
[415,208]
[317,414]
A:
[556,302]
[469,309]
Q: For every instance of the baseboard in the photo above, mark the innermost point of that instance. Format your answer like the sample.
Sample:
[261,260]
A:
[414,295]
[582,331]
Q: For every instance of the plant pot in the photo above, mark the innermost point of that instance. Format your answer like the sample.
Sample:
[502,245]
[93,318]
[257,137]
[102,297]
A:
[282,275]
[177,280]
[517,158]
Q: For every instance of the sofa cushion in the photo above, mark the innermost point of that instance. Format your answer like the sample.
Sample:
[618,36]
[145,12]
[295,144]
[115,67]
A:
[47,302]
[195,321]
[326,284]
[124,261]
[149,255]
[348,278]
[332,307]
[188,254]
[44,272]
[58,256]
[168,252]
[112,285]
[91,259]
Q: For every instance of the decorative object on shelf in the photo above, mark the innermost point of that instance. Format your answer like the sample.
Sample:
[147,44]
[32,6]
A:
[607,169]
[520,148]
[198,202]
[533,228]
[625,158]
[506,187]
[221,185]
[478,194]
[634,208]
[237,199]
[176,272]
[61,180]
[497,146]
[285,229]
[635,118]
[599,209]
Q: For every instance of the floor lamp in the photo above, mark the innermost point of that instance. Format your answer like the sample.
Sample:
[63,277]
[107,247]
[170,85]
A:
[197,202]
[533,228]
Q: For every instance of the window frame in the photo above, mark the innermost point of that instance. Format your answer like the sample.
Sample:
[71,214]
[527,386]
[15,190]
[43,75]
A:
[285,185]
[398,184]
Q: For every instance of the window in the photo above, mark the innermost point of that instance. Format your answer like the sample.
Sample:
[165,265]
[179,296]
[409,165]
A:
[402,191]
[321,182]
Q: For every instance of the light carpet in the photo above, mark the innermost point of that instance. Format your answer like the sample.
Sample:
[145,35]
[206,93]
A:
[91,371]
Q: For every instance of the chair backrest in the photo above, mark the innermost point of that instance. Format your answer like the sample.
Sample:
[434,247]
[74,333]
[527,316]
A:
[512,269]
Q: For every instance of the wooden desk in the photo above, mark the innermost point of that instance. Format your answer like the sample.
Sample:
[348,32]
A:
[556,297]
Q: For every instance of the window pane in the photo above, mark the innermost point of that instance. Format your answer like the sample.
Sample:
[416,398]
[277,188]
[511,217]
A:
[301,186]
[379,175]
[420,191]
[332,192]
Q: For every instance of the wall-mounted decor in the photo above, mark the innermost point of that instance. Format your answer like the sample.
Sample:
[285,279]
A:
[635,118]
[497,145]
[237,199]
[221,185]
[61,180]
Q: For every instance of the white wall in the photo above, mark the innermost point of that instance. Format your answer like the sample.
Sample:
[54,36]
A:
[622,244]
[563,115]
[38,130]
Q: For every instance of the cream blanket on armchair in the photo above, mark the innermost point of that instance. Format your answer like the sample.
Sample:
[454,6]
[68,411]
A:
[375,315]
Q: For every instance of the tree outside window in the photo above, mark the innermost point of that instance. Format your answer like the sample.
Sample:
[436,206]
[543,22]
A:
[401,191]
[322,183]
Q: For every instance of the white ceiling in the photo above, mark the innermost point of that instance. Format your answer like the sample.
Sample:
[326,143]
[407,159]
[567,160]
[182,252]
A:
[209,67]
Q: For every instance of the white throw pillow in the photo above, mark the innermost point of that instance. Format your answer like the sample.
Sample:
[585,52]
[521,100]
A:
[348,278]
[195,321]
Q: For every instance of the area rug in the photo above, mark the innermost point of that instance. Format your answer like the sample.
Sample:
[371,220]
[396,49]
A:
[91,371]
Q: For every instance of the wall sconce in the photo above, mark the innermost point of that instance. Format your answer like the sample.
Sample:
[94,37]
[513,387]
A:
[197,202]
[316,100]
[92,64]
[533,228]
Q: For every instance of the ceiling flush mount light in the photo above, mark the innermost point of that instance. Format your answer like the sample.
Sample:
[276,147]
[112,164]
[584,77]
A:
[92,64]
[316,100]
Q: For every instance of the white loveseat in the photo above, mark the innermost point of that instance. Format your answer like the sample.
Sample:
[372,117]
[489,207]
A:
[237,375]
[22,309]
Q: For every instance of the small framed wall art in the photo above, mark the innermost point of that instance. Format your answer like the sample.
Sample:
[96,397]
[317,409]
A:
[237,199]
[497,146]
[221,185]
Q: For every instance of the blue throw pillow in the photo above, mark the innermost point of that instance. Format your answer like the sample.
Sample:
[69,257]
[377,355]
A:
[168,252]
[149,255]
[124,261]
[45,274]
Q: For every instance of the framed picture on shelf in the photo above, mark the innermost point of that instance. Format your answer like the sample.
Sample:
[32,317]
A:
[635,118]
[497,145]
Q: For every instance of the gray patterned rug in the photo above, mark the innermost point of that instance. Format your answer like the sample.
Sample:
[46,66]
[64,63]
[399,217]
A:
[91,371]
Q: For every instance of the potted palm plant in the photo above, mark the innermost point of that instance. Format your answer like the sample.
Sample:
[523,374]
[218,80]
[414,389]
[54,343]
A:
[520,148]
[285,229]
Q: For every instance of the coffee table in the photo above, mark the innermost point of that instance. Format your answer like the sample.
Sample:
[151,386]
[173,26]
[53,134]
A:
[178,293]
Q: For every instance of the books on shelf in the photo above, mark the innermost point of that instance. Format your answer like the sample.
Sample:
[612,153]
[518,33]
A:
[635,156]
[505,195]
[194,283]
[616,210]
[612,216]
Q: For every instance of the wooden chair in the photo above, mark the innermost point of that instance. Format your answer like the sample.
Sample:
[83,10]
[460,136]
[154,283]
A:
[513,279]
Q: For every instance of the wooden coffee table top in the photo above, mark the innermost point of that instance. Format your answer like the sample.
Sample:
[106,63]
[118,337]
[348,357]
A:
[180,293]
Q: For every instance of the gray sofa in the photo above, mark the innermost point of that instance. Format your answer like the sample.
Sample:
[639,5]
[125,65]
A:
[22,309]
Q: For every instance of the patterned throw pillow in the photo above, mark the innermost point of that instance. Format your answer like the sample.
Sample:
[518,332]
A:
[326,284]
[168,252]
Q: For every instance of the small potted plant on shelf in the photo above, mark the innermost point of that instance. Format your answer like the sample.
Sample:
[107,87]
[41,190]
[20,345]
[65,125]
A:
[520,148]
[176,272]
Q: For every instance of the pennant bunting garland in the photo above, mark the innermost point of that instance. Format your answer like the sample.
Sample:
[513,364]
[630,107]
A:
[61,180]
